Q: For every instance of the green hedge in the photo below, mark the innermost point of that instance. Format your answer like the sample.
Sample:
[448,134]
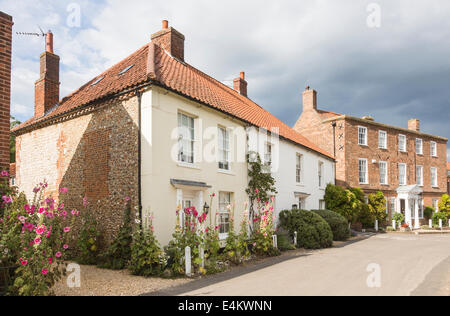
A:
[338,224]
[313,232]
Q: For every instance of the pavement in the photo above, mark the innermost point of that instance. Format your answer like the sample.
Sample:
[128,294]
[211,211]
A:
[380,265]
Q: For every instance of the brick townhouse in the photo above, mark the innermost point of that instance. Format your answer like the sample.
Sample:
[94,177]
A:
[407,165]
[448,178]
[136,130]
[6,24]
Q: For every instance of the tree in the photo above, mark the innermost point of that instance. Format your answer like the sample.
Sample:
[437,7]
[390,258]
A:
[261,184]
[348,203]
[444,204]
[12,139]
[377,206]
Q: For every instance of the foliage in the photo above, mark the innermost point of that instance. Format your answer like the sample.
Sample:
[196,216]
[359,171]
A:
[377,206]
[313,232]
[147,257]
[428,213]
[264,229]
[88,240]
[444,204]
[440,215]
[38,236]
[349,203]
[118,255]
[7,193]
[338,224]
[390,229]
[398,218]
[261,183]
[284,242]
[236,248]
[12,139]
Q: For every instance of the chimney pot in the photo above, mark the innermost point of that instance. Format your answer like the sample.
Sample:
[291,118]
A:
[242,75]
[165,24]
[49,42]
[170,40]
[309,99]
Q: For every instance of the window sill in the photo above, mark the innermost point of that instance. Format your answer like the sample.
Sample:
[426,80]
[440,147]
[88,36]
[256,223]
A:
[188,165]
[363,145]
[403,151]
[382,148]
[227,172]
[384,184]
[300,184]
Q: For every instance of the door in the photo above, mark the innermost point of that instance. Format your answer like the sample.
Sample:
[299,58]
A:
[403,207]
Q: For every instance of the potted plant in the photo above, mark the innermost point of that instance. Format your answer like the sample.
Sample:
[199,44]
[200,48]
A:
[405,228]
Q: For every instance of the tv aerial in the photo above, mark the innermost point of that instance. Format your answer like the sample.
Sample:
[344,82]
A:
[41,33]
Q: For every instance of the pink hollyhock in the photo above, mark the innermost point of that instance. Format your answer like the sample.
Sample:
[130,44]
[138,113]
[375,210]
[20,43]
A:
[37,241]
[67,229]
[7,199]
[65,247]
[36,189]
[44,271]
[23,262]
[58,254]
[63,190]
[74,212]
[85,201]
[127,199]
[64,213]
[50,260]
[40,230]
[5,173]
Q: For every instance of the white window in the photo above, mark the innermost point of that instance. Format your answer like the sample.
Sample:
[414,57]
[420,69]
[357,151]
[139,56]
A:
[383,172]
[436,205]
[402,143]
[224,149]
[421,208]
[224,214]
[419,146]
[363,172]
[268,154]
[298,168]
[393,205]
[382,139]
[362,136]
[322,205]
[402,173]
[433,149]
[419,175]
[434,180]
[320,173]
[186,138]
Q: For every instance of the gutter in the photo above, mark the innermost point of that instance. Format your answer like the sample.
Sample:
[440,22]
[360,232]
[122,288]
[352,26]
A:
[139,96]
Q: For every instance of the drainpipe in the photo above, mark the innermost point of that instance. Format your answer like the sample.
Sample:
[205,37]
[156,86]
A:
[139,96]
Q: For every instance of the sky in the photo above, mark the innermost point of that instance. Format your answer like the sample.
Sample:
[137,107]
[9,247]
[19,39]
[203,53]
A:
[387,59]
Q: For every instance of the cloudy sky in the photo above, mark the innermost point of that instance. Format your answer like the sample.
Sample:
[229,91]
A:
[393,72]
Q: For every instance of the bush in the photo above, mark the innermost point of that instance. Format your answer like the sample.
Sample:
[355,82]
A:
[88,241]
[399,218]
[390,229]
[284,242]
[118,255]
[313,232]
[428,213]
[147,258]
[438,216]
[338,224]
[425,227]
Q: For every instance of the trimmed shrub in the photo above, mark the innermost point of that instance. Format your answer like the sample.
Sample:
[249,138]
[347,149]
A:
[428,213]
[338,224]
[313,232]
[284,242]
[438,216]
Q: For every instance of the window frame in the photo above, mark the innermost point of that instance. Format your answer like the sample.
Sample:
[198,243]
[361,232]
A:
[403,149]
[385,144]
[419,183]
[419,140]
[182,140]
[299,168]
[405,182]
[320,173]
[434,181]
[433,149]
[222,212]
[366,171]
[363,128]
[386,175]
[268,152]
[223,149]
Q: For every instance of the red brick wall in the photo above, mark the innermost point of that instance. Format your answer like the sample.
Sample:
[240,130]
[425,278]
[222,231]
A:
[47,87]
[170,40]
[5,86]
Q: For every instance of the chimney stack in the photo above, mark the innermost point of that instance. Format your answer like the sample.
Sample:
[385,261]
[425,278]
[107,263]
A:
[46,91]
[309,99]
[240,85]
[6,23]
[414,125]
[170,40]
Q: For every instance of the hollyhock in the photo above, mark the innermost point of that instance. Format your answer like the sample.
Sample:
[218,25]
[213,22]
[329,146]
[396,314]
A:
[40,230]
[7,199]
[5,173]
[58,254]
[44,271]
[36,189]
[37,241]
[66,229]
[50,260]
[65,247]
[63,190]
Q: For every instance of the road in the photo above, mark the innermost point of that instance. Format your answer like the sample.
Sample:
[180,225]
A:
[399,265]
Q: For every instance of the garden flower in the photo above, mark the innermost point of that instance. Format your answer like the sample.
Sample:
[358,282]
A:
[5,173]
[7,199]
[38,241]
[40,230]
[85,201]
[44,271]
[64,213]
[65,247]
[50,260]
[63,190]
[36,189]
[66,229]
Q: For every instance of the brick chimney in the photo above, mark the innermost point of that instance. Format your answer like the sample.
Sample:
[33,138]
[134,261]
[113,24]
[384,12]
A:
[46,93]
[240,85]
[6,23]
[170,40]
[309,99]
[414,125]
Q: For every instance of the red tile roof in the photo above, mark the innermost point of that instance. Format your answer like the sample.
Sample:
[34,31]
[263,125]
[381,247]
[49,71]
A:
[179,77]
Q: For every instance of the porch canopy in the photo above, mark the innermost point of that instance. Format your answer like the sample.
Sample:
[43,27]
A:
[412,195]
